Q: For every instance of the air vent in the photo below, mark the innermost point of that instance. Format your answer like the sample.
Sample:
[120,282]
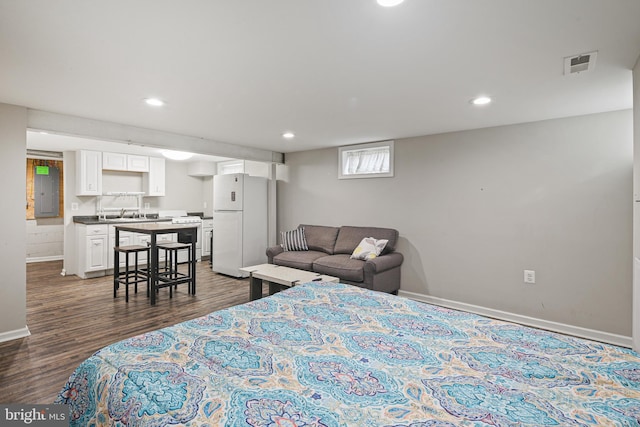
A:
[580,63]
[44,154]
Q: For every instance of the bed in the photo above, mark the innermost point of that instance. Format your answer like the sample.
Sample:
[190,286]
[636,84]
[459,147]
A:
[328,354]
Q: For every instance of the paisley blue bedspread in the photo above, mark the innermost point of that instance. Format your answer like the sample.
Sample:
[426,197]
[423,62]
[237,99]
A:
[326,354]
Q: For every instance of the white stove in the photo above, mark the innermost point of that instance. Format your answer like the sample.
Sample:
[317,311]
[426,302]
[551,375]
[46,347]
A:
[186,220]
[181,217]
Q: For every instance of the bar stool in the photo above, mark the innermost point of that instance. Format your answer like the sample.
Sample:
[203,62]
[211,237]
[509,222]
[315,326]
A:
[169,274]
[130,276]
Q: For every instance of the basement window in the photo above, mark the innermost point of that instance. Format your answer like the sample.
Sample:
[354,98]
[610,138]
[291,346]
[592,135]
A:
[373,160]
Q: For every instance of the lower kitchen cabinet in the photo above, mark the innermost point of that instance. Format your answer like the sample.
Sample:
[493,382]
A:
[125,239]
[142,240]
[95,245]
[96,250]
[92,245]
[207,233]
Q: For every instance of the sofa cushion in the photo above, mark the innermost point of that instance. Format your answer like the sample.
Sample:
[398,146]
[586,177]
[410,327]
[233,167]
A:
[294,240]
[341,266]
[369,248]
[298,259]
[349,237]
[320,238]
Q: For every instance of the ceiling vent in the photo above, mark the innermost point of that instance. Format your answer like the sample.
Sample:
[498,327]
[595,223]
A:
[39,154]
[580,63]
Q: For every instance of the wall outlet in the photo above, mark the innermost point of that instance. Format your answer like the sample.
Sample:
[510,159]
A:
[147,205]
[529,276]
[74,206]
[204,205]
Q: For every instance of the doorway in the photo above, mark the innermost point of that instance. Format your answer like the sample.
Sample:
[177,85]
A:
[44,207]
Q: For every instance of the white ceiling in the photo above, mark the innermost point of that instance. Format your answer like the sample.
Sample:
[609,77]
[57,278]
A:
[334,72]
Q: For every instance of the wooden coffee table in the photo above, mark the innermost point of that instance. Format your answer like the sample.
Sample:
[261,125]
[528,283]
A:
[279,276]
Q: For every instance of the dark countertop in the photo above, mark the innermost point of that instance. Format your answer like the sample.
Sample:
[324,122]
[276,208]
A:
[200,214]
[93,220]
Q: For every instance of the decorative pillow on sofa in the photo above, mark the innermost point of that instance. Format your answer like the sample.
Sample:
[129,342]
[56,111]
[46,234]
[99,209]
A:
[369,248]
[294,240]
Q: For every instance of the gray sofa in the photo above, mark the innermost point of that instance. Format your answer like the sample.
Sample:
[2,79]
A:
[329,253]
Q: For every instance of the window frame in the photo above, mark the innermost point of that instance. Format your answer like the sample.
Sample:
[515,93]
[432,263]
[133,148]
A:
[358,147]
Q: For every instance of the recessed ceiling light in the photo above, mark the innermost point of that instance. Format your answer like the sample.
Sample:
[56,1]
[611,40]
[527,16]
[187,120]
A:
[481,100]
[288,135]
[176,155]
[154,101]
[389,3]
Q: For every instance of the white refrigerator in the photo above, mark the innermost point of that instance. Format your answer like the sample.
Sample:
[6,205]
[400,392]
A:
[239,223]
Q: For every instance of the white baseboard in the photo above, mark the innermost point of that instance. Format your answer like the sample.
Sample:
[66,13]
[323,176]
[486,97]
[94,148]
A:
[45,258]
[562,328]
[15,334]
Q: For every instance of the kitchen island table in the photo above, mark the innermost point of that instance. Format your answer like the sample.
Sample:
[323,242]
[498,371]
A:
[153,229]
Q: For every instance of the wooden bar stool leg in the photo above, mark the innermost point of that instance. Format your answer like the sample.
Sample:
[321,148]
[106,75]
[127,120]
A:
[192,267]
[148,273]
[135,273]
[170,270]
[166,259]
[126,275]
[116,272]
[175,274]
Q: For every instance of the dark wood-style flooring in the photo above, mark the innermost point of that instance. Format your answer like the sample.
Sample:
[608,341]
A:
[70,319]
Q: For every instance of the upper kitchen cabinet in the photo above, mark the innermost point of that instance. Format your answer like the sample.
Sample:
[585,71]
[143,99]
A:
[125,162]
[88,173]
[114,161]
[153,181]
[137,163]
[201,168]
[244,166]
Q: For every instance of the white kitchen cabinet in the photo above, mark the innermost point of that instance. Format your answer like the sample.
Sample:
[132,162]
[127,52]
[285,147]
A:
[137,163]
[96,251]
[114,161]
[201,168]
[142,240]
[207,232]
[93,249]
[88,173]
[95,243]
[243,166]
[165,238]
[125,162]
[153,181]
[125,239]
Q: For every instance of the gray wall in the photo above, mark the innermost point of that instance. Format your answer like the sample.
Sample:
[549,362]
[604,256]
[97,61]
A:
[13,150]
[207,194]
[45,239]
[182,191]
[476,208]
